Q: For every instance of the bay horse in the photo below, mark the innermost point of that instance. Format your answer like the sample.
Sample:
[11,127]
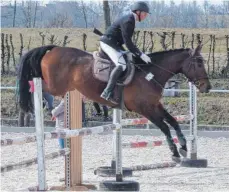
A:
[64,69]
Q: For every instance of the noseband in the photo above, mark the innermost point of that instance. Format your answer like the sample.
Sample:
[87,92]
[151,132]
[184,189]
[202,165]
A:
[192,63]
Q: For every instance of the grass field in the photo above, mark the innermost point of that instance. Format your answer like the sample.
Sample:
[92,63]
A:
[32,38]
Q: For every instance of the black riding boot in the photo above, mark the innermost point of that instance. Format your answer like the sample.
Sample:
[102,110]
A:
[108,91]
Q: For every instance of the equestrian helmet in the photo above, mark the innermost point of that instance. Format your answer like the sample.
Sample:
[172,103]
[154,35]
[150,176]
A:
[140,6]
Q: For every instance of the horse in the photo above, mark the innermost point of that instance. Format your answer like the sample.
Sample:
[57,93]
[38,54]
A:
[65,69]
[99,113]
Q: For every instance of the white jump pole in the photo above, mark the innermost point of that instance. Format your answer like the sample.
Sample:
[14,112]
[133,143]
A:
[118,184]
[193,121]
[117,117]
[193,161]
[113,161]
[116,152]
[39,123]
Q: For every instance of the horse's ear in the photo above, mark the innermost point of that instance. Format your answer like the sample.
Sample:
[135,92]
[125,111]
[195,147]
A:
[198,49]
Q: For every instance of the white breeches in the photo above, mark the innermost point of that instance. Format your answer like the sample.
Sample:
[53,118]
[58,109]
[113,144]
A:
[115,56]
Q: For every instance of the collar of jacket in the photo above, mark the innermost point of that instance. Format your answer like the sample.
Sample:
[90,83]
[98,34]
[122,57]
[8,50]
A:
[135,16]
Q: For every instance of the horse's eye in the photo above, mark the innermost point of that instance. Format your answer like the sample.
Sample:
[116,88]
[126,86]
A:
[200,62]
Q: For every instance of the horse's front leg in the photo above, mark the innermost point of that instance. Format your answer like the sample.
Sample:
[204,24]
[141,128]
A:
[181,138]
[155,115]
[165,129]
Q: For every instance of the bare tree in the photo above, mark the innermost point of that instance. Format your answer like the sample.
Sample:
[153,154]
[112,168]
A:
[90,13]
[95,13]
[106,11]
[116,7]
[60,20]
[15,9]
[84,12]
[35,15]
[206,13]
[6,14]
[27,12]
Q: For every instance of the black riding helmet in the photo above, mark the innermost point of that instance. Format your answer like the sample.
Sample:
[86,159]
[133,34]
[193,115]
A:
[140,6]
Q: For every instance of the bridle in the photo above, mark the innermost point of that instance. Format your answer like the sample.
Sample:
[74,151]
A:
[192,63]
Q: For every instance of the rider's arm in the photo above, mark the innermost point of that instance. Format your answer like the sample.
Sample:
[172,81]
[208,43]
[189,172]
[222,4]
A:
[127,28]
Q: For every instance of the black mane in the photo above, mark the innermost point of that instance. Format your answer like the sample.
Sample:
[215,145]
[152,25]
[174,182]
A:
[156,57]
[159,53]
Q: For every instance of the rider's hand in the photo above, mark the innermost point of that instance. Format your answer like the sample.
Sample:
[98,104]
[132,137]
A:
[53,118]
[145,58]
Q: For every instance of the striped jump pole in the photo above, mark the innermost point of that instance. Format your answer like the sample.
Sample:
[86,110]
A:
[142,121]
[156,143]
[18,140]
[29,162]
[153,166]
[59,133]
[143,144]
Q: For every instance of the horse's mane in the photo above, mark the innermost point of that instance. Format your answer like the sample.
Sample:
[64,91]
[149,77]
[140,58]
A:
[157,56]
[159,53]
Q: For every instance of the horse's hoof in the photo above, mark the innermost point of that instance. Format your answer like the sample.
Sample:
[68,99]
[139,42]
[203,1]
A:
[176,159]
[183,152]
[107,119]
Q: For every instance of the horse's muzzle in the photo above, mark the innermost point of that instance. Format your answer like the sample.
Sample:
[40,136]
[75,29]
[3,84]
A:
[204,86]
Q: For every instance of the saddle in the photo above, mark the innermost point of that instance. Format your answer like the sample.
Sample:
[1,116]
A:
[102,68]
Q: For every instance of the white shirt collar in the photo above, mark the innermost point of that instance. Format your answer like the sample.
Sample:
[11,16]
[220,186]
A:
[135,16]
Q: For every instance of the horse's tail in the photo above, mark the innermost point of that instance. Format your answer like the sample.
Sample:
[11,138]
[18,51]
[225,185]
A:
[30,67]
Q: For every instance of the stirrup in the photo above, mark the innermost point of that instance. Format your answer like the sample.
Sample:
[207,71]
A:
[105,95]
[112,101]
[108,97]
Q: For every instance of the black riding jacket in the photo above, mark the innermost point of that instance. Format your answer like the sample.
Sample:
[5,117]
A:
[121,32]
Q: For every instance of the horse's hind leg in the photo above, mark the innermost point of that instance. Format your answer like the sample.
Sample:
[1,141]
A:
[181,138]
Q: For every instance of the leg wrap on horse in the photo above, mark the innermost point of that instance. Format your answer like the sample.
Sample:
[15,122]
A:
[105,111]
[172,146]
[181,138]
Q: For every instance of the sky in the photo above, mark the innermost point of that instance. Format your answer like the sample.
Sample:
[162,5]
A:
[167,1]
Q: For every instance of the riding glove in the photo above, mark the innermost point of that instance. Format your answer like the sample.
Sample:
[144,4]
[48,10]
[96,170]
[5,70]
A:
[145,58]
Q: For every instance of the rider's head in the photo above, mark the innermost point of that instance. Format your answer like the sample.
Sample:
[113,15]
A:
[141,9]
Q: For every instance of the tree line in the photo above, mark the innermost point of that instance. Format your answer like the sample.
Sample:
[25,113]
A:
[88,14]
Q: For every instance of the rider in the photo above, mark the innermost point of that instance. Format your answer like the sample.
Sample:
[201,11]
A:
[119,33]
